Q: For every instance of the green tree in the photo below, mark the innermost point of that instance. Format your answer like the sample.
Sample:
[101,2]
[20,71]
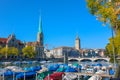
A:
[116,44]
[9,51]
[0,51]
[13,51]
[29,52]
[0,47]
[107,11]
[5,51]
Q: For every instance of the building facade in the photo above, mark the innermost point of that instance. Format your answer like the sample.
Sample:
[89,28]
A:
[11,41]
[76,51]
[64,50]
[93,53]
[77,43]
[39,43]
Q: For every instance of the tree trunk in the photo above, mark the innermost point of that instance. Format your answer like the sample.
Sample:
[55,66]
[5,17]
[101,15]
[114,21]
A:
[6,55]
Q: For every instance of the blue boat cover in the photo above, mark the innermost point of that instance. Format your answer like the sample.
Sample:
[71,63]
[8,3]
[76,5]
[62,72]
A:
[53,67]
[36,68]
[8,73]
[69,69]
[27,74]
[98,64]
[65,66]
[111,72]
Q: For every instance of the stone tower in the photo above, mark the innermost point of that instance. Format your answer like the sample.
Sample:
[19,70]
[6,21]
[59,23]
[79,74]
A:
[77,43]
[40,33]
[39,45]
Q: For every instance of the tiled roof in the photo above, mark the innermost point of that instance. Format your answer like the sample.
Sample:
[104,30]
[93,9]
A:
[3,40]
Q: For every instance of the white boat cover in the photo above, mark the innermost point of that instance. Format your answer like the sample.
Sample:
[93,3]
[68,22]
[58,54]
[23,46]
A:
[95,77]
[42,70]
[69,76]
[14,68]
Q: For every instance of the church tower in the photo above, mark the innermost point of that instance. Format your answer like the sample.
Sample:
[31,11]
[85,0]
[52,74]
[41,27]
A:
[77,43]
[40,33]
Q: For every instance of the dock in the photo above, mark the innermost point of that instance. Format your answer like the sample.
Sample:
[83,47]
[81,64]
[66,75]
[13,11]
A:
[91,74]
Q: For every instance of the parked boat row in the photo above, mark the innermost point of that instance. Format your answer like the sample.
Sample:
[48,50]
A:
[43,72]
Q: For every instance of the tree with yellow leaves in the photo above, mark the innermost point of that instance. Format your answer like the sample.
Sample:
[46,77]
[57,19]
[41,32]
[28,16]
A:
[106,11]
[9,51]
[116,44]
[29,52]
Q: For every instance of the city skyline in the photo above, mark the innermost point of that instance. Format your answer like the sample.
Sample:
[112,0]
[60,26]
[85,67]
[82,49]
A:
[61,22]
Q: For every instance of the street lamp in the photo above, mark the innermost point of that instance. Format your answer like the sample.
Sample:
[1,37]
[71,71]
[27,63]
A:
[66,57]
[113,48]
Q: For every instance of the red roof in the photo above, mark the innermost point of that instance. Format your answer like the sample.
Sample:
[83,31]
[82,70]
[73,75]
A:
[4,40]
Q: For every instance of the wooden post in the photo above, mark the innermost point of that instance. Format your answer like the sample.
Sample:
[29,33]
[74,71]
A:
[16,78]
[62,76]
[24,75]
[13,76]
[48,77]
[78,77]
[36,75]
[3,76]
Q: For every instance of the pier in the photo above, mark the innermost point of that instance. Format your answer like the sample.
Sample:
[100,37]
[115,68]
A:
[91,74]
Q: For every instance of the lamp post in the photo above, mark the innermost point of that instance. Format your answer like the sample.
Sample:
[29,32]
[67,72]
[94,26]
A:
[113,48]
[113,42]
[66,57]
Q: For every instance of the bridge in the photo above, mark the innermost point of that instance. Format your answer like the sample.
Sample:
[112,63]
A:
[93,59]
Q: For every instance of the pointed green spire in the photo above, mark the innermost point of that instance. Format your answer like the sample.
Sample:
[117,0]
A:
[40,24]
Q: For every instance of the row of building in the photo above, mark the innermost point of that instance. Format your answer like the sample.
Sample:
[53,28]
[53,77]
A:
[38,45]
[76,51]
[58,52]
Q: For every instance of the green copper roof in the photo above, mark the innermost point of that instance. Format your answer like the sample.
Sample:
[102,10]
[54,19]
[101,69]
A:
[40,24]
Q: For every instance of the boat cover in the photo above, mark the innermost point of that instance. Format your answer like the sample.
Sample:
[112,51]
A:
[55,76]
[27,74]
[70,76]
[98,64]
[35,68]
[111,72]
[69,69]
[60,69]
[8,73]
[53,67]
[43,74]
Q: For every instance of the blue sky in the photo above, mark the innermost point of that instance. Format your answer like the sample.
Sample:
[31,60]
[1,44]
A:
[62,20]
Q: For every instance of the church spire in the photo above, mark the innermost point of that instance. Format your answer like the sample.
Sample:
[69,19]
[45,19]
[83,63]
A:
[40,33]
[40,24]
